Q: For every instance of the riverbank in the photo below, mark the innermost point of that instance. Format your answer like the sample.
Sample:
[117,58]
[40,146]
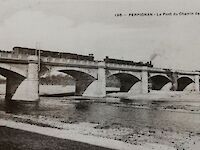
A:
[146,139]
[77,133]
[15,139]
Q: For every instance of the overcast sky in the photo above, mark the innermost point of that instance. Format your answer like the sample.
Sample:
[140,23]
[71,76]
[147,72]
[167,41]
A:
[91,27]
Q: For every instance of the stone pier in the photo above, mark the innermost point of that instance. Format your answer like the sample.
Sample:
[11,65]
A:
[196,82]
[98,87]
[144,80]
[28,90]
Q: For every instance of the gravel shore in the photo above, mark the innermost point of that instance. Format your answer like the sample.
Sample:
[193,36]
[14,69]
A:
[148,138]
[14,139]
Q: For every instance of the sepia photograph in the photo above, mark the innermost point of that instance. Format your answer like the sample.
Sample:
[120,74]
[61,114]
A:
[99,75]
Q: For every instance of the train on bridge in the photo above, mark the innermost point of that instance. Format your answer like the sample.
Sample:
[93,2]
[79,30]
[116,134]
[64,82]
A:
[53,54]
[127,62]
[90,57]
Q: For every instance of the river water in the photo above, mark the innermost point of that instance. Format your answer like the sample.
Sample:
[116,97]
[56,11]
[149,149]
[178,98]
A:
[118,113]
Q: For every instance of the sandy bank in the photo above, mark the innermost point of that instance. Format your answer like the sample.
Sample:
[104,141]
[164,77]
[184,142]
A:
[66,133]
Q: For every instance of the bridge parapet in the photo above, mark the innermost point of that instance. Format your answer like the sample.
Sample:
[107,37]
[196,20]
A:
[123,67]
[159,70]
[7,55]
[50,60]
[181,72]
[186,72]
[69,61]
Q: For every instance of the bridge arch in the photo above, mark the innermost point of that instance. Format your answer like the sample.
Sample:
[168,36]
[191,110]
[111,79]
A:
[82,80]
[159,81]
[13,69]
[90,71]
[183,82]
[127,80]
[13,80]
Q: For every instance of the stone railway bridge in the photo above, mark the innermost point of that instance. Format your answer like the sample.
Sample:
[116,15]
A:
[22,76]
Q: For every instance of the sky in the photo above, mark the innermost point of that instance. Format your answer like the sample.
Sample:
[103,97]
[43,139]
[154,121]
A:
[84,27]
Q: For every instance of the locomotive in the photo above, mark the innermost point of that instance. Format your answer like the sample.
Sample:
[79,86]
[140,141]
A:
[127,62]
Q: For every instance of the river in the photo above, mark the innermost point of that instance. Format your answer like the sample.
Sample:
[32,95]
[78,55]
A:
[116,113]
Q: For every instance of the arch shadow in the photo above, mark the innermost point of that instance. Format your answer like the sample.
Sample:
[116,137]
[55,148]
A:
[158,82]
[126,81]
[13,80]
[82,80]
[183,82]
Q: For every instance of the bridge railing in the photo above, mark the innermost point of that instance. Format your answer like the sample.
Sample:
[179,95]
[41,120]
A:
[123,66]
[10,55]
[150,69]
[6,55]
[68,61]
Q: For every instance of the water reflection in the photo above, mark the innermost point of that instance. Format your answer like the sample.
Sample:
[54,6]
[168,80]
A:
[16,107]
[82,106]
[126,101]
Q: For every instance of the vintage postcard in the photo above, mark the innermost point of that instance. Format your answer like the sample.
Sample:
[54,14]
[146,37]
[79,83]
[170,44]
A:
[99,75]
